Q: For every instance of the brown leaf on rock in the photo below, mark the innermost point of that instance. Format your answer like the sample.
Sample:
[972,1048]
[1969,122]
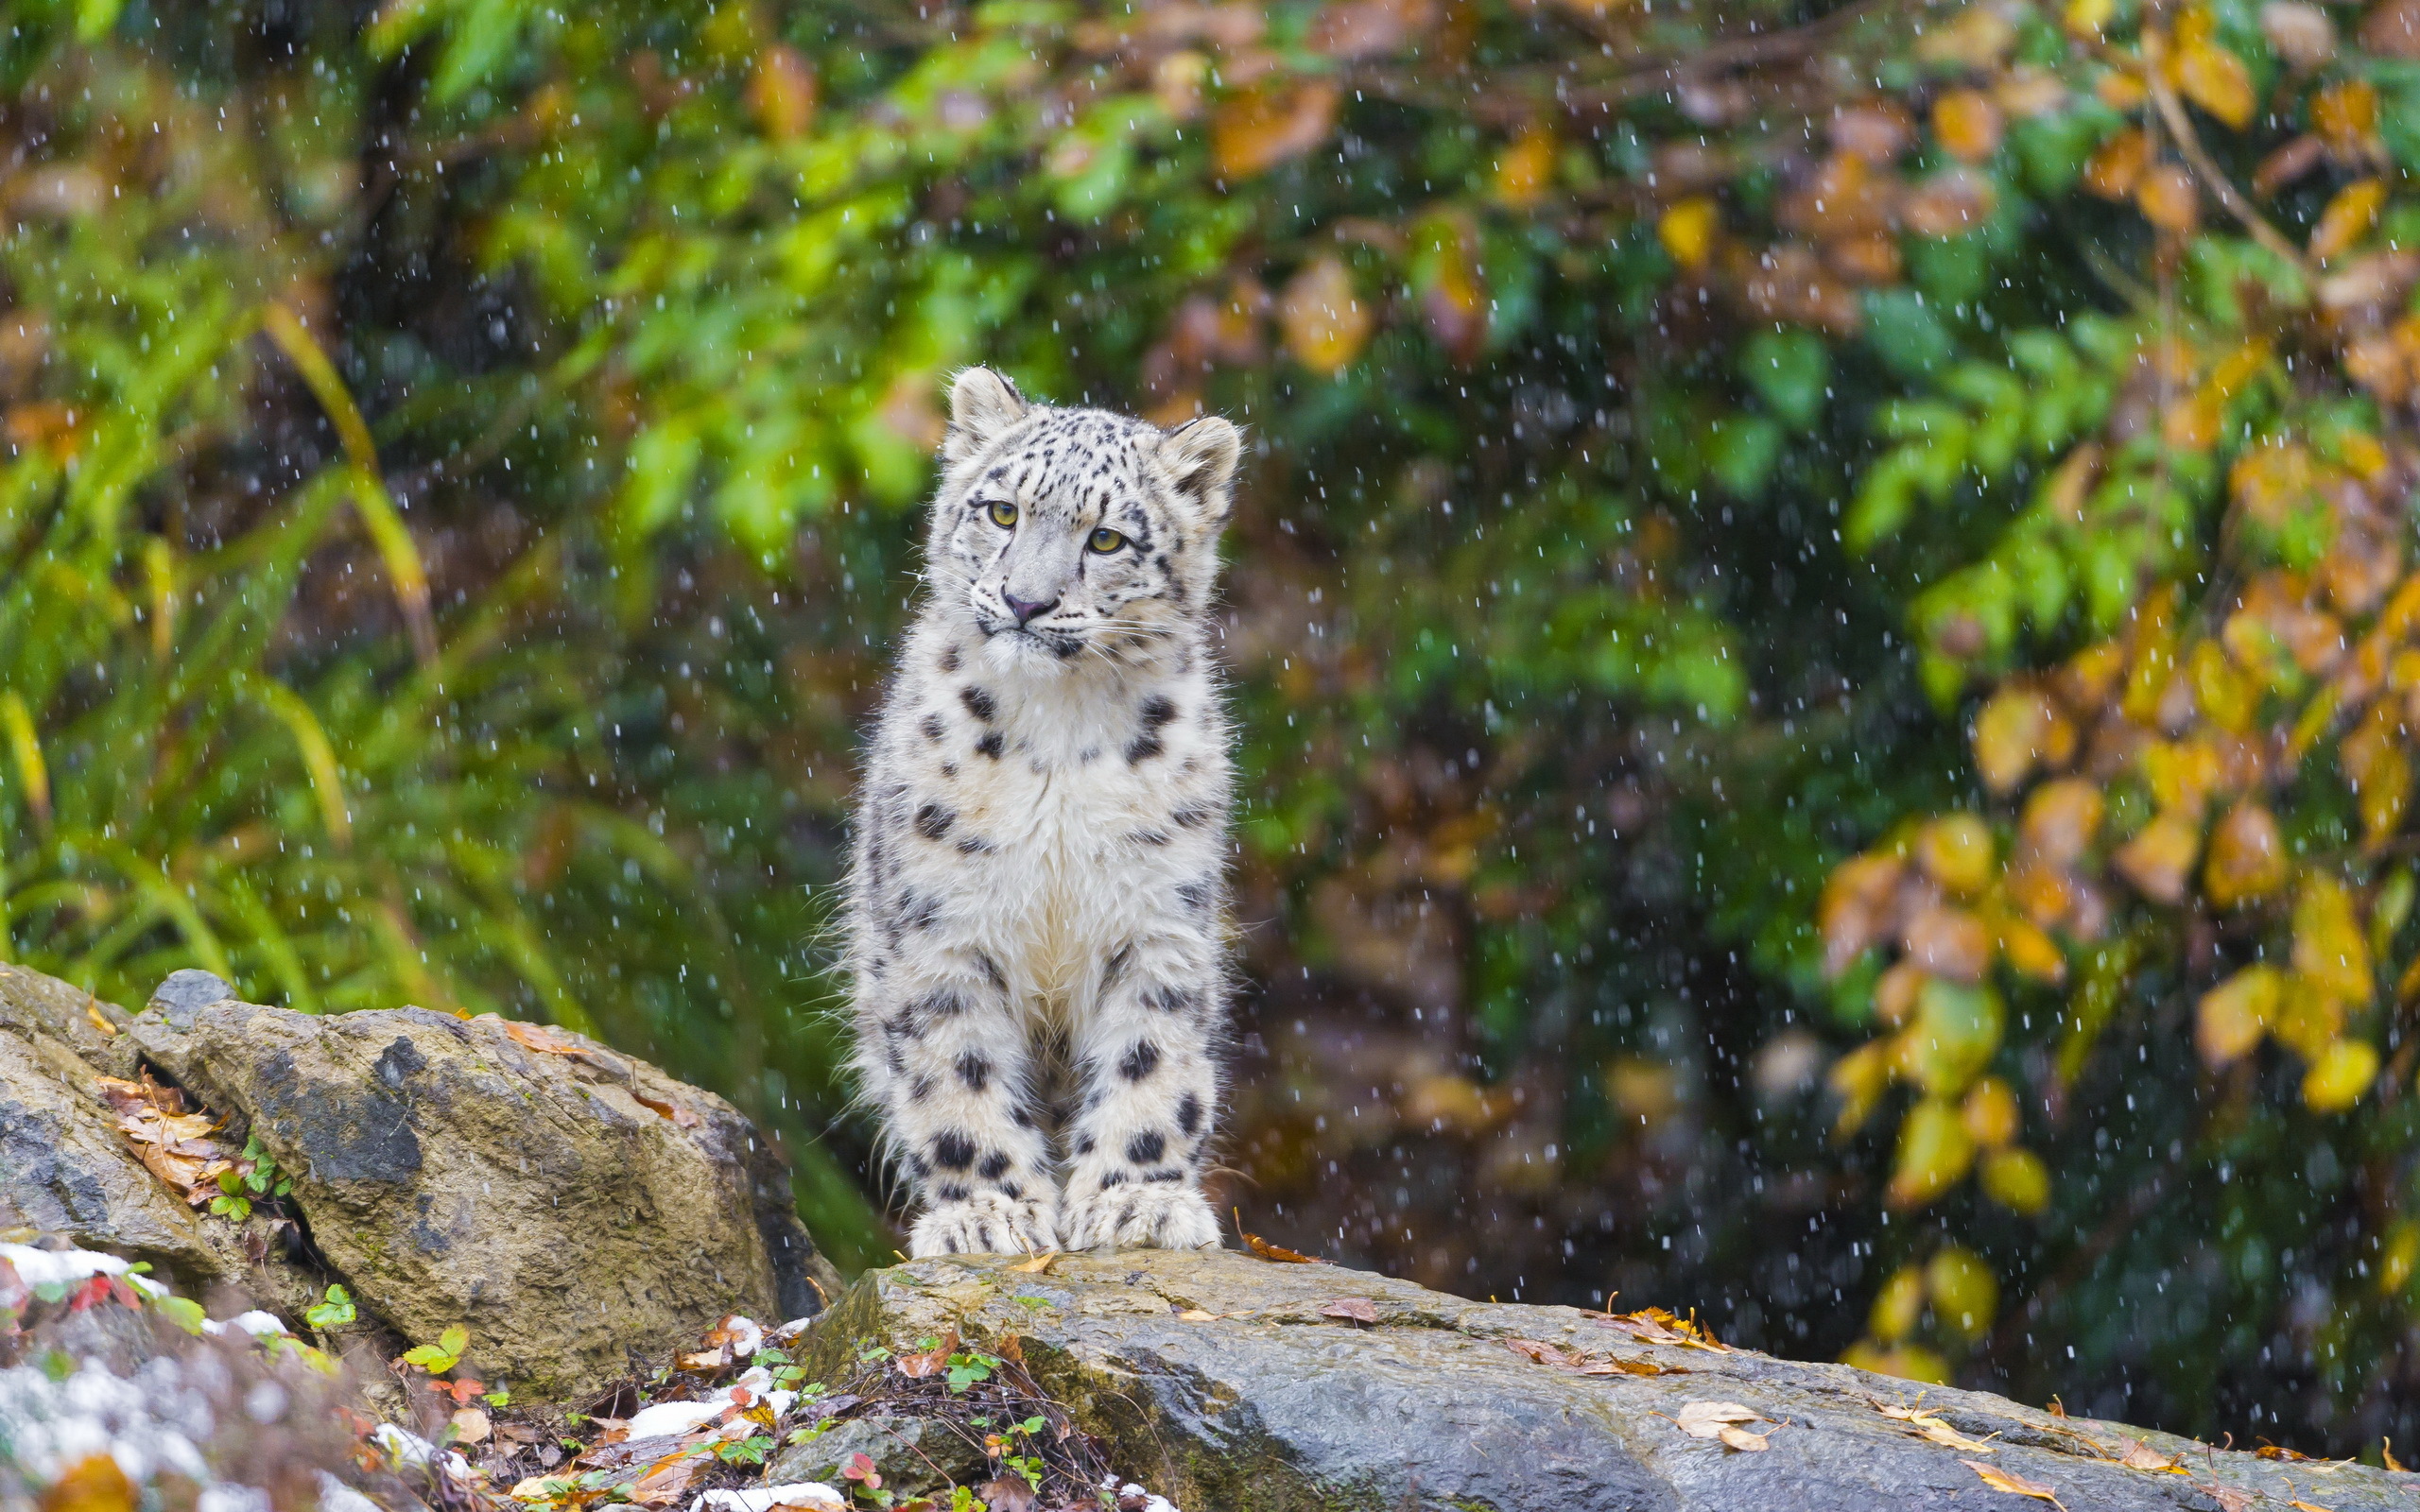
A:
[1352,1309]
[931,1362]
[1720,1420]
[681,1116]
[1039,1265]
[2139,1455]
[2016,1485]
[1278,1253]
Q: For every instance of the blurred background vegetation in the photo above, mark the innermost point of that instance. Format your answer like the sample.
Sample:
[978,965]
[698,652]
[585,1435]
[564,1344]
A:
[1822,612]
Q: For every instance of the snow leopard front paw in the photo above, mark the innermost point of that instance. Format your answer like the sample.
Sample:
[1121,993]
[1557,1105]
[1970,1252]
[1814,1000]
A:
[1141,1215]
[987,1223]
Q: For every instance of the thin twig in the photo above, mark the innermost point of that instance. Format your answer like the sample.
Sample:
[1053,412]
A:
[2180,126]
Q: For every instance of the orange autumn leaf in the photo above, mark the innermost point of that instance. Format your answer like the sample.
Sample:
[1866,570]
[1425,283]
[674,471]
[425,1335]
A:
[1990,1113]
[2168,199]
[1262,128]
[1967,125]
[2114,170]
[1523,172]
[2030,952]
[2346,115]
[1856,906]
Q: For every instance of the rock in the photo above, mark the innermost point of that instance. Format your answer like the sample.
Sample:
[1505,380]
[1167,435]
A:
[188,989]
[577,1210]
[64,1167]
[917,1456]
[1229,1383]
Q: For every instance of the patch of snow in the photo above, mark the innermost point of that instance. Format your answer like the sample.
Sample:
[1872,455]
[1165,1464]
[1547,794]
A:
[230,1498]
[668,1417]
[779,1402]
[259,1325]
[756,1381]
[790,1330]
[1153,1500]
[334,1496]
[747,1337]
[814,1494]
[406,1448]
[54,1267]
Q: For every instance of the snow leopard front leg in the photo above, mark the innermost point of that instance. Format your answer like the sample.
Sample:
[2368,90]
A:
[945,1057]
[1148,1058]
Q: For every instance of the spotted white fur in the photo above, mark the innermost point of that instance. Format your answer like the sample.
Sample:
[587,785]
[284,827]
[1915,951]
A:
[1037,916]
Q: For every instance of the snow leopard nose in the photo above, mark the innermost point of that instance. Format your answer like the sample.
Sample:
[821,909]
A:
[1026,609]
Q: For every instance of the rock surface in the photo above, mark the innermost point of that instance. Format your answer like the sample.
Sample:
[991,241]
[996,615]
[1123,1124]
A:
[577,1210]
[63,1167]
[1230,1384]
[573,1208]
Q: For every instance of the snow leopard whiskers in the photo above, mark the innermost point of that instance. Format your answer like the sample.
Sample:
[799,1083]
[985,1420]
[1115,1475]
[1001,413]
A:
[1036,930]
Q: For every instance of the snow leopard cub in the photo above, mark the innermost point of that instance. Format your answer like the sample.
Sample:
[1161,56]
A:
[1036,925]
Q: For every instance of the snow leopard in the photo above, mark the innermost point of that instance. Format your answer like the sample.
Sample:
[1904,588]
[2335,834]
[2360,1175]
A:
[1036,925]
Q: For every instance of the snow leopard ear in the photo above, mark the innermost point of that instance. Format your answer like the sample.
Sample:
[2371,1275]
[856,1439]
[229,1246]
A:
[1200,455]
[981,406]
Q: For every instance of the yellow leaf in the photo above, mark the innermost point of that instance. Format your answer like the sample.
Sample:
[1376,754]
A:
[2017,729]
[2014,1483]
[2030,952]
[2328,947]
[1956,850]
[2400,1257]
[2232,1016]
[2159,858]
[2377,759]
[1859,1079]
[1967,125]
[2231,699]
[2216,80]
[781,93]
[1898,1306]
[1909,1361]
[2086,17]
[2346,115]
[2347,218]
[1934,1155]
[1687,230]
[2016,1179]
[2247,857]
[2339,1077]
[1324,321]
[1990,1113]
[1965,1294]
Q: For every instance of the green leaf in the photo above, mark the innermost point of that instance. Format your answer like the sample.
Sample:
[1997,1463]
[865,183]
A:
[1790,372]
[1745,447]
[1903,330]
[184,1312]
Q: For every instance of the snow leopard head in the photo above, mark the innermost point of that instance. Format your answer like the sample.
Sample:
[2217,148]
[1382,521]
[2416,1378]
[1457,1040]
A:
[1058,529]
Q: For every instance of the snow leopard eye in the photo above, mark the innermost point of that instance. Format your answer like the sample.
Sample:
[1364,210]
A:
[1003,515]
[1105,541]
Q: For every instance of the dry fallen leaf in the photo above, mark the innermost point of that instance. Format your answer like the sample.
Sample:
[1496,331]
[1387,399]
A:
[1195,1315]
[1538,1351]
[666,1482]
[1742,1440]
[680,1115]
[1038,1265]
[2301,1505]
[1357,1309]
[1006,1493]
[2139,1455]
[1278,1253]
[2014,1483]
[932,1362]
[1706,1420]
[1614,1365]
[2228,1498]
[1948,1438]
[470,1426]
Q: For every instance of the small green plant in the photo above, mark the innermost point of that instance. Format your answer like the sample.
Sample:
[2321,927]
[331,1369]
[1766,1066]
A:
[441,1356]
[333,1312]
[970,1367]
[254,1177]
[750,1451]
